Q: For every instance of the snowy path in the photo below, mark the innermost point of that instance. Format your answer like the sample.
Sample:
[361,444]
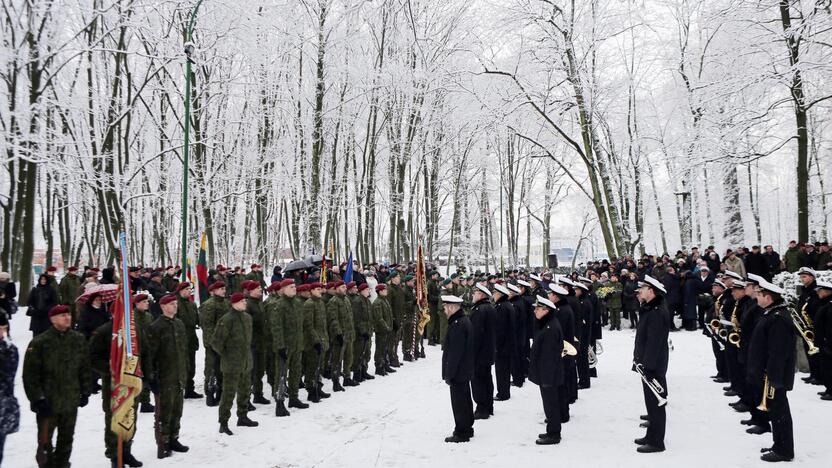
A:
[401,420]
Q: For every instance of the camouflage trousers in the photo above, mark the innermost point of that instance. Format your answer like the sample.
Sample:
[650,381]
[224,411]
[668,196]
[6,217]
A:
[432,329]
[342,357]
[393,341]
[64,423]
[381,348]
[171,400]
[311,361]
[293,369]
[443,328]
[262,364]
[361,357]
[234,384]
[212,369]
[411,336]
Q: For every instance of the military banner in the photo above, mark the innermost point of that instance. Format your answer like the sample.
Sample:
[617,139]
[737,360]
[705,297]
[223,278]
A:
[124,357]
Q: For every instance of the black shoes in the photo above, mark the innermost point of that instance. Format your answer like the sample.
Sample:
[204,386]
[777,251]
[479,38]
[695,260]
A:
[758,430]
[742,408]
[730,393]
[481,415]
[147,408]
[648,448]
[546,439]
[176,446]
[296,403]
[224,429]
[128,460]
[747,422]
[772,456]
[260,399]
[244,421]
[192,395]
[313,397]
[336,386]
[380,371]
[366,376]
[641,441]
[163,451]
[455,439]
[501,398]
[644,424]
[280,409]
[644,417]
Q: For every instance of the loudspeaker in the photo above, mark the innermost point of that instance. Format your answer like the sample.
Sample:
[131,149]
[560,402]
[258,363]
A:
[553,260]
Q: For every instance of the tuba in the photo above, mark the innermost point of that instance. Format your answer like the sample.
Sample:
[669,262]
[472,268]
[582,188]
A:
[568,349]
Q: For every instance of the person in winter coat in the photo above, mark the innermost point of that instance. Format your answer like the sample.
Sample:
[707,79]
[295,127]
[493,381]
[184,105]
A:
[41,299]
[9,409]
[93,314]
[458,368]
[505,341]
[755,263]
[734,263]
[630,299]
[546,367]
[673,299]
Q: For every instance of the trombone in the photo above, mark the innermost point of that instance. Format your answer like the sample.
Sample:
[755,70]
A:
[804,326]
[653,385]
[768,394]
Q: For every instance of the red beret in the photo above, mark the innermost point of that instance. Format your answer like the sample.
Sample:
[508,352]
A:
[287,282]
[183,285]
[58,310]
[94,270]
[303,287]
[351,285]
[381,287]
[216,285]
[315,285]
[220,267]
[250,285]
[139,298]
[337,284]
[92,274]
[254,265]
[237,297]
[72,268]
[363,286]
[52,268]
[273,287]
[167,299]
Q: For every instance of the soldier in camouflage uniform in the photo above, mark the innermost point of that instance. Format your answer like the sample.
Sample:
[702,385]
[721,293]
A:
[256,275]
[260,339]
[433,303]
[168,342]
[411,312]
[56,379]
[232,341]
[69,290]
[361,317]
[286,322]
[396,300]
[188,314]
[343,350]
[141,310]
[315,340]
[210,312]
[383,326]
[613,301]
[99,346]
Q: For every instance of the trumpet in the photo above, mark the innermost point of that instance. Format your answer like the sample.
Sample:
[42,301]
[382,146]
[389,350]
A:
[768,394]
[653,385]
[568,349]
[804,327]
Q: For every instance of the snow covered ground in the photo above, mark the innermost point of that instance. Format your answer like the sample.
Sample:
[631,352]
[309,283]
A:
[401,420]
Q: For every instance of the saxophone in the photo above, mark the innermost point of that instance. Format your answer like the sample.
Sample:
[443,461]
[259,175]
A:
[806,318]
[734,336]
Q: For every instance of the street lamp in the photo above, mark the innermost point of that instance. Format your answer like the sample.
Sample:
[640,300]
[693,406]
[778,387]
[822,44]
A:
[189,50]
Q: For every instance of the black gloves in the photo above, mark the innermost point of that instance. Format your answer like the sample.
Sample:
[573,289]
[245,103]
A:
[283,354]
[318,348]
[365,336]
[42,408]
[85,399]
[339,339]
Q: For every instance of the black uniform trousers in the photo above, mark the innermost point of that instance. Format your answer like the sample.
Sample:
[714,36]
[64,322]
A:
[826,370]
[518,366]
[502,370]
[482,388]
[583,366]
[736,370]
[655,414]
[781,424]
[463,409]
[753,396]
[815,367]
[570,375]
[563,403]
[551,408]
[721,365]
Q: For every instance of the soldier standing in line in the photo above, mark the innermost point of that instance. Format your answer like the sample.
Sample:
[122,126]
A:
[232,341]
[546,367]
[169,348]
[56,379]
[382,323]
[518,375]
[254,307]
[458,368]
[410,314]
[69,290]
[210,312]
[482,322]
[316,342]
[286,321]
[504,341]
[433,303]
[396,299]
[362,317]
[189,316]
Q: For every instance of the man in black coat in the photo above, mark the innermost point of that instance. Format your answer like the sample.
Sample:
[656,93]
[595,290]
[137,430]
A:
[652,354]
[771,360]
[482,322]
[505,341]
[823,335]
[807,306]
[546,367]
[458,368]
[585,337]
[752,392]
[757,264]
[518,375]
[566,319]
[571,370]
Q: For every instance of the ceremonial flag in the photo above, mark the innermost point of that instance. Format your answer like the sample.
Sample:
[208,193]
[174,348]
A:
[348,270]
[202,270]
[421,291]
[125,371]
[323,269]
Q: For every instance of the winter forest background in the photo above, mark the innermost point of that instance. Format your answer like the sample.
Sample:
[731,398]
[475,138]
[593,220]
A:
[490,128]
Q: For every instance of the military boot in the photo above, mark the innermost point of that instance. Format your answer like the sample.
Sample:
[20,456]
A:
[211,400]
[244,421]
[163,451]
[224,429]
[296,403]
[422,353]
[313,397]
[280,409]
[251,407]
[147,407]
[389,369]
[321,392]
[336,385]
[380,371]
[129,460]
[191,394]
[176,446]
[348,382]
[260,399]
[357,377]
[408,357]
[366,375]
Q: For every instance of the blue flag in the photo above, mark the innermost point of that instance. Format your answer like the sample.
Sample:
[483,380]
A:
[348,270]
